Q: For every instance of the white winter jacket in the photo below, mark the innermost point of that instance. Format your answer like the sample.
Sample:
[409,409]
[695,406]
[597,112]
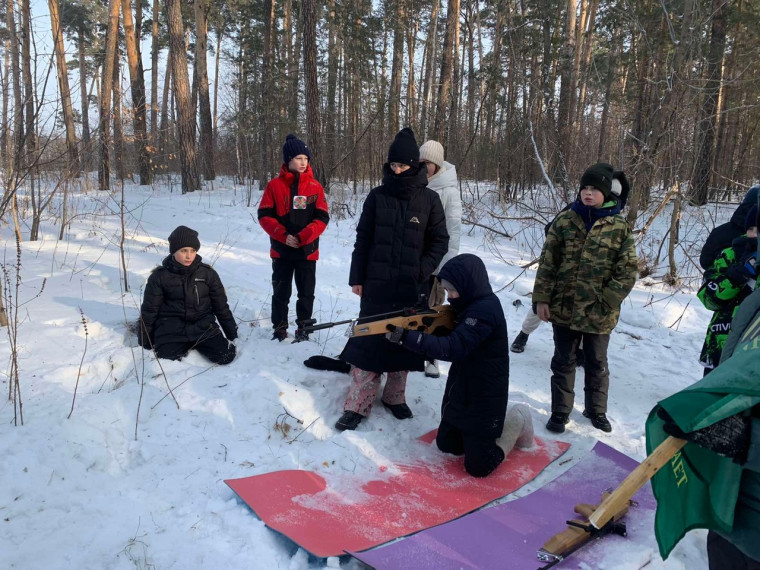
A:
[444,182]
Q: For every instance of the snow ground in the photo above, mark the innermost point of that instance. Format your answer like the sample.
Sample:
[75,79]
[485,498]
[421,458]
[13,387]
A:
[107,489]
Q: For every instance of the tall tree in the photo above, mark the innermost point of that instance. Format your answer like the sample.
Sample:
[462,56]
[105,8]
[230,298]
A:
[202,8]
[440,132]
[399,23]
[707,115]
[154,49]
[137,89]
[265,117]
[106,88]
[312,88]
[76,19]
[566,93]
[73,167]
[181,83]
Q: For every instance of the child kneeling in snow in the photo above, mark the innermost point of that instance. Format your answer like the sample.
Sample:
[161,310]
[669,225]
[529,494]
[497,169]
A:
[182,302]
[474,404]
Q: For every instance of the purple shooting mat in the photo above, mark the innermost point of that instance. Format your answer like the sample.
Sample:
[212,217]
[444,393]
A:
[508,535]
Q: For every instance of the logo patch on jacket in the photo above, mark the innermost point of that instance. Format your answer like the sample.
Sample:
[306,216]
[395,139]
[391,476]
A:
[471,321]
[414,220]
[299,202]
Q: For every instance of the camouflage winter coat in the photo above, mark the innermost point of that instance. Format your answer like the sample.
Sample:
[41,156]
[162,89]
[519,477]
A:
[722,291]
[584,276]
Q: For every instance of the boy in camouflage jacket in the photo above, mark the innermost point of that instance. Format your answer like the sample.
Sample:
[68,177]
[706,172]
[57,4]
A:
[729,281]
[586,270]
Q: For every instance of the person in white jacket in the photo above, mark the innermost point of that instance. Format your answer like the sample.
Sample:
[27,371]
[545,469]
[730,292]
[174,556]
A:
[442,177]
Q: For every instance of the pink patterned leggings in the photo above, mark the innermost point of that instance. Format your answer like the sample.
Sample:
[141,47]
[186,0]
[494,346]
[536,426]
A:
[364,386]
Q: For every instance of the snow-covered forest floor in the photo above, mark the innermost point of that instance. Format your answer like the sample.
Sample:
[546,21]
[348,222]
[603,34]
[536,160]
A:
[134,477]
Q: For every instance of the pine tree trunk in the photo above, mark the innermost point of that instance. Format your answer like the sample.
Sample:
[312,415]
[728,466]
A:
[118,126]
[440,132]
[206,125]
[154,49]
[707,117]
[85,103]
[567,85]
[312,92]
[265,148]
[181,82]
[394,98]
[63,84]
[106,87]
[430,61]
[137,89]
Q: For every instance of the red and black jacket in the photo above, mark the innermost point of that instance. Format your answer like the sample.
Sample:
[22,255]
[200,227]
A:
[306,221]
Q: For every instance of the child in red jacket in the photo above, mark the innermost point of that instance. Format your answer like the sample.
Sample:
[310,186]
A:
[293,211]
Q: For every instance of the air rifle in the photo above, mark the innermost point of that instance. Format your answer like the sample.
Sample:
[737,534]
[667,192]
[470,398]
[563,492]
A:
[434,320]
[603,519]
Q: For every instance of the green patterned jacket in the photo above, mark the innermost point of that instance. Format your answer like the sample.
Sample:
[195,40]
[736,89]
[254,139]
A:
[586,276]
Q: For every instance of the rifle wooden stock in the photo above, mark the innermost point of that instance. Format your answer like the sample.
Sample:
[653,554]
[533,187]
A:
[635,480]
[428,320]
[613,507]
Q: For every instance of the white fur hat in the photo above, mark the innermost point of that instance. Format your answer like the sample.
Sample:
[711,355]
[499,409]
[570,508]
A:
[432,151]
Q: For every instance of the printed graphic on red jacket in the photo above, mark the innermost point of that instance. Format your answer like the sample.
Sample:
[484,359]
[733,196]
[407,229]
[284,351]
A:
[295,205]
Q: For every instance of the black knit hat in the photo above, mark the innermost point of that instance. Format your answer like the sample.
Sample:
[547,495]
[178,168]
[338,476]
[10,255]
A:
[404,148]
[293,147]
[600,177]
[182,236]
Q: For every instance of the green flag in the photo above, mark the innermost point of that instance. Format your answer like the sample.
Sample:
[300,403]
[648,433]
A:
[698,488]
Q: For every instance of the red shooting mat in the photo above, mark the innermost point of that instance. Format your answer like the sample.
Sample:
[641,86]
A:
[349,512]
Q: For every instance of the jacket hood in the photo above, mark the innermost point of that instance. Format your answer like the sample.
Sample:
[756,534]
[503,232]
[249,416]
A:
[467,273]
[741,212]
[446,176]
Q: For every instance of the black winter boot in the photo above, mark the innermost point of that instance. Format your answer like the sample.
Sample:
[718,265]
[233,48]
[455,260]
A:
[519,343]
[599,421]
[557,422]
[399,411]
[349,420]
[280,334]
[301,335]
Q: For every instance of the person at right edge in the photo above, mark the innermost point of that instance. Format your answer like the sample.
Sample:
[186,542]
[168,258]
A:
[729,281]
[587,268]
[714,481]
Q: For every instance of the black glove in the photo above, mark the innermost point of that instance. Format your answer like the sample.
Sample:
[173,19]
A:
[395,334]
[729,437]
[743,270]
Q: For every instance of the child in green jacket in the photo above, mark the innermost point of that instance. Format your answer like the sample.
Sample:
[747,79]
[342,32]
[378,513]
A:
[729,281]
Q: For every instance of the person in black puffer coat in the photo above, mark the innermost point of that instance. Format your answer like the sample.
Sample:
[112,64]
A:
[401,238]
[183,300]
[475,400]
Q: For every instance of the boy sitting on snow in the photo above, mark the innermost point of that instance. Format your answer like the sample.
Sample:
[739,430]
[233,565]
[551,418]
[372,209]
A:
[475,400]
[182,302]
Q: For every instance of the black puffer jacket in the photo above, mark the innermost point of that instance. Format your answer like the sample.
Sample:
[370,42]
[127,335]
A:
[400,239]
[181,304]
[477,389]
